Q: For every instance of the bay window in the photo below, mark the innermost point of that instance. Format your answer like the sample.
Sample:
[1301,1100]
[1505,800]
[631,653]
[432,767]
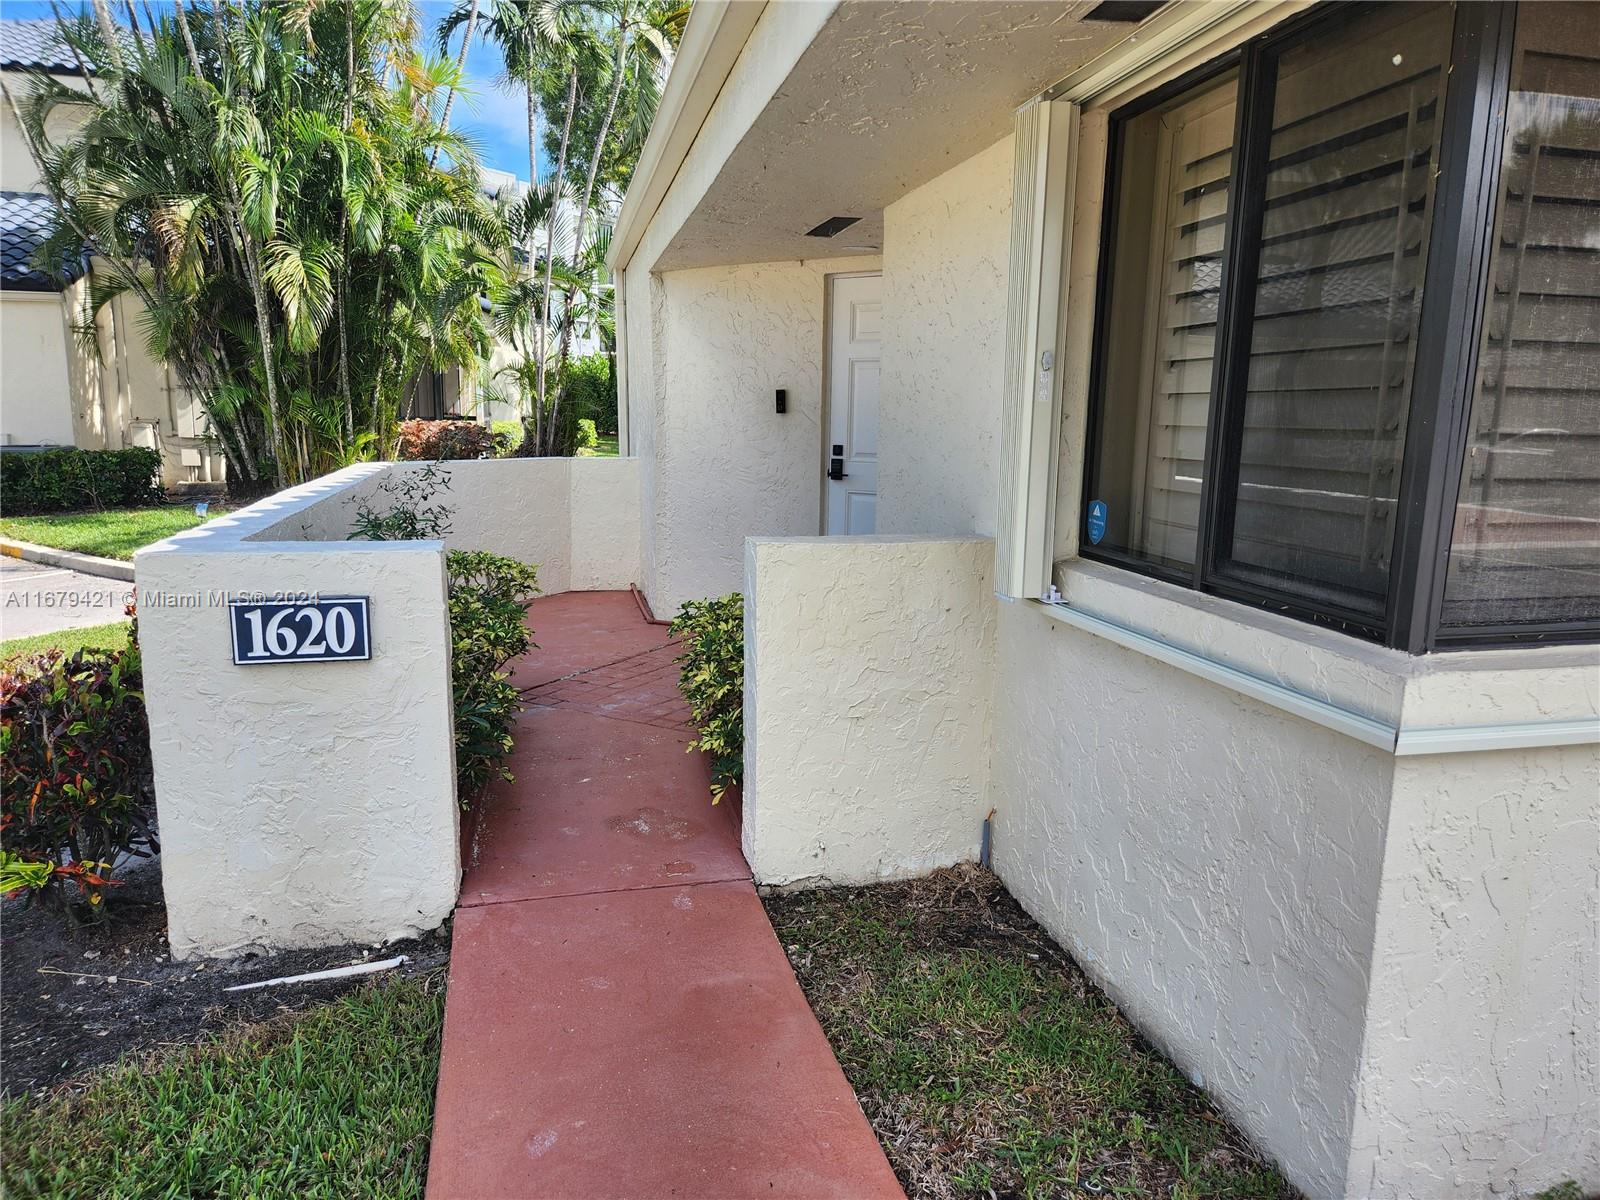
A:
[1347,337]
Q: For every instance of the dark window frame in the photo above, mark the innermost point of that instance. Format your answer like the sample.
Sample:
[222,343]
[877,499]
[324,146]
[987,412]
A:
[1448,337]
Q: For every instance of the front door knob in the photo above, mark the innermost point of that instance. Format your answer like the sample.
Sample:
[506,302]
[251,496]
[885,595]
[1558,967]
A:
[836,463]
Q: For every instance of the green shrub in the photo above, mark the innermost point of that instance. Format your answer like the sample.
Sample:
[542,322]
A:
[488,595]
[444,441]
[402,508]
[76,793]
[589,392]
[712,681]
[588,438]
[59,480]
[507,437]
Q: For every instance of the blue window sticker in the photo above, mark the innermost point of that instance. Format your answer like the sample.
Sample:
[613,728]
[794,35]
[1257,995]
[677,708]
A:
[1097,521]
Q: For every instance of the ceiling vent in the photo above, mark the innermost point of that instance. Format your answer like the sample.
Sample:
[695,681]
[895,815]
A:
[1129,12]
[832,227]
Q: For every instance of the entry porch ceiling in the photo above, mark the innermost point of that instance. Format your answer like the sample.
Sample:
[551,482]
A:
[887,96]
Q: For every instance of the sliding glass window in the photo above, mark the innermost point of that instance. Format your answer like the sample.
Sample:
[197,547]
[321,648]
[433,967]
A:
[1262,356]
[1526,534]
[1164,275]
[1332,284]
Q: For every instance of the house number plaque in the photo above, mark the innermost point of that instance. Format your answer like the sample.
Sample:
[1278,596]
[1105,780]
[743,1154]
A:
[334,629]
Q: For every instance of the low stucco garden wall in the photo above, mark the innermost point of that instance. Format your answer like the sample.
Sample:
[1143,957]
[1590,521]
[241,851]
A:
[578,518]
[313,803]
[867,694]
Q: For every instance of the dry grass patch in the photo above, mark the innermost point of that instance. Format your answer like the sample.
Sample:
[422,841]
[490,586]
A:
[986,1061]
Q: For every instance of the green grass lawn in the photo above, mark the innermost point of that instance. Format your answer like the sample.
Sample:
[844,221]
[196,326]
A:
[987,1062]
[114,533]
[606,449]
[335,1102]
[109,637]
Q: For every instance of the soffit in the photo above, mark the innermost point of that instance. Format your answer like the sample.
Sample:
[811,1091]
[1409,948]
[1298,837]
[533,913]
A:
[886,97]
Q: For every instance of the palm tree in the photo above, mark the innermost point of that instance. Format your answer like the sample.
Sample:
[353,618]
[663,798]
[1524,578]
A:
[642,35]
[263,177]
[532,34]
[572,49]
[461,67]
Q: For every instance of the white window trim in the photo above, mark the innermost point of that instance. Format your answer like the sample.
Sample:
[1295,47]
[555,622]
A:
[1387,702]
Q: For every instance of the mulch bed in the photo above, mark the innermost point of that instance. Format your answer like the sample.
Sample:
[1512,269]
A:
[72,1000]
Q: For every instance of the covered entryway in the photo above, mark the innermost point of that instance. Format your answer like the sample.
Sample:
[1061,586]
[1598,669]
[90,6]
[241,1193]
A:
[850,450]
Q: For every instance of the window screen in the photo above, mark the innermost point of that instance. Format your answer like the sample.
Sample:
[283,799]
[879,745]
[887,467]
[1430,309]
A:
[1526,540]
[1346,199]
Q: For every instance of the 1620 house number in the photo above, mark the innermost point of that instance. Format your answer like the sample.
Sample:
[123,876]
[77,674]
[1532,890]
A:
[331,629]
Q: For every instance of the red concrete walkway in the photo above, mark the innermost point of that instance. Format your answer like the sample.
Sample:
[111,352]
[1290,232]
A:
[621,1020]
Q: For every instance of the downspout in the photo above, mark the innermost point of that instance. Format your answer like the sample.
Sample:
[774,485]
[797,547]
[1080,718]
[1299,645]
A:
[619,317]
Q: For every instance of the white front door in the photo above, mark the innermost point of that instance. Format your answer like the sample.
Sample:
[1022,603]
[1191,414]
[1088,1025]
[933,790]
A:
[850,452]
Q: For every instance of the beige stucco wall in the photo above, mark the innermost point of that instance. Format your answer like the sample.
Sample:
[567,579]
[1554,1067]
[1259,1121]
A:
[707,348]
[867,697]
[54,390]
[34,381]
[1381,963]
[299,804]
[136,400]
[640,348]
[576,518]
[1482,1059]
[50,389]
[1211,862]
[946,255]
[18,172]
[604,515]
[724,464]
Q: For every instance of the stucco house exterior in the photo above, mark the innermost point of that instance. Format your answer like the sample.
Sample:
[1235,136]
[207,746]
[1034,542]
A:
[1203,400]
[54,391]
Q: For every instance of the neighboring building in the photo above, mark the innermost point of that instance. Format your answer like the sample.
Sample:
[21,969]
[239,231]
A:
[1264,339]
[54,392]
[489,394]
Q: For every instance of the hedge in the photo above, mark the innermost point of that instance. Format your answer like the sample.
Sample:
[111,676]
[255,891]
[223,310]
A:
[712,681]
[589,392]
[488,597]
[60,480]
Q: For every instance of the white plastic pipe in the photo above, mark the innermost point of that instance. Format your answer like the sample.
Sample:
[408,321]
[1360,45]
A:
[313,976]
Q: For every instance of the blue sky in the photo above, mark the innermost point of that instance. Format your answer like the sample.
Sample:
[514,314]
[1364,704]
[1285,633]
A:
[495,119]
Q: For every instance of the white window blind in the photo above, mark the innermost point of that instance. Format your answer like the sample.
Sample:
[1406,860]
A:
[1192,159]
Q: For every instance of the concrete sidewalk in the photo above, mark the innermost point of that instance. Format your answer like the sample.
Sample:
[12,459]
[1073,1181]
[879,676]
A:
[36,598]
[621,1019]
